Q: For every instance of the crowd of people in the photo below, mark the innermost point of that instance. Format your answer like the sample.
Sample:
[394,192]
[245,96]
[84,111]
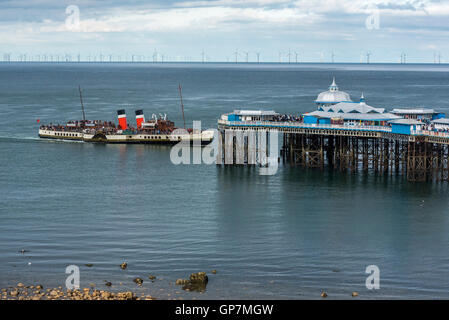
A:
[108,127]
[287,118]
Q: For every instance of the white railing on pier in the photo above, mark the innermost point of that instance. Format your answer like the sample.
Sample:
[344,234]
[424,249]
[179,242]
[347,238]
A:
[274,124]
[431,133]
[355,127]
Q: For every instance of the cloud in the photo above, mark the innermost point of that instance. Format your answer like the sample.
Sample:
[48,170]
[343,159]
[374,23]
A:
[198,18]
[230,15]
[319,24]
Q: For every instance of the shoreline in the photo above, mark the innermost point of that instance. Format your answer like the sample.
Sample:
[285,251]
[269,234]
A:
[196,282]
[38,292]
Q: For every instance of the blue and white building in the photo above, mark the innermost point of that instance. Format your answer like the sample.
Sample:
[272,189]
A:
[349,113]
[406,126]
[250,115]
[419,113]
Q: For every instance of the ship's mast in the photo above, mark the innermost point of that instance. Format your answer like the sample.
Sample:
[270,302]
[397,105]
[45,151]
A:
[82,106]
[182,105]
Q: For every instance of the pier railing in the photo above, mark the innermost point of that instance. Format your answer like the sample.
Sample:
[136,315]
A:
[290,124]
[430,133]
[275,124]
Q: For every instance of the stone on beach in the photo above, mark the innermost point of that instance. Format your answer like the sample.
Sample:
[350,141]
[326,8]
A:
[139,281]
[124,265]
[181,282]
[197,282]
[199,277]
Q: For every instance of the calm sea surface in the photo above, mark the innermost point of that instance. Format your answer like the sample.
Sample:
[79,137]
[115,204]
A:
[290,235]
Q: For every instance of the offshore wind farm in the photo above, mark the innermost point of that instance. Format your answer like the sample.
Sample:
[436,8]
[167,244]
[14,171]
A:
[289,57]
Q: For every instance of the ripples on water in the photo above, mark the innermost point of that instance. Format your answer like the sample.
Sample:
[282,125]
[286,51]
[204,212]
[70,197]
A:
[285,236]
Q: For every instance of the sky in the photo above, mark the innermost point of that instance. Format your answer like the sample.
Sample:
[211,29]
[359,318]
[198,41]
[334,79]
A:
[226,30]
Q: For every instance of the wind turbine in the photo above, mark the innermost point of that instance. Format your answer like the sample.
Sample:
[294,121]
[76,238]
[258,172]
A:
[246,56]
[236,53]
[296,57]
[332,57]
[258,56]
[155,56]
[403,57]
[368,54]
[280,57]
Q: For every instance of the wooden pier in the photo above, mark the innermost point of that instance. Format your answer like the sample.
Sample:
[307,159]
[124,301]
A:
[419,156]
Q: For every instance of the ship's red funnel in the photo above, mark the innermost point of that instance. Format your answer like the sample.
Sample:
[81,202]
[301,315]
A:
[121,114]
[140,117]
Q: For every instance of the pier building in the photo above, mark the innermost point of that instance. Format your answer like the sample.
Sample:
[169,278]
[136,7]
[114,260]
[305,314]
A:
[345,136]
[332,96]
[441,124]
[418,113]
[250,115]
[350,113]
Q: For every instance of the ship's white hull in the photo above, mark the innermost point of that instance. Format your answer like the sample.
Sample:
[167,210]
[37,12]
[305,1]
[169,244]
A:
[204,137]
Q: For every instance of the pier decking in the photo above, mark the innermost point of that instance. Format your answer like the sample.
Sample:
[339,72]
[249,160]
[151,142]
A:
[420,155]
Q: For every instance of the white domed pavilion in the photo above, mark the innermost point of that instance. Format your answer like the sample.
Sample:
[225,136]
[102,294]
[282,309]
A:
[332,96]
